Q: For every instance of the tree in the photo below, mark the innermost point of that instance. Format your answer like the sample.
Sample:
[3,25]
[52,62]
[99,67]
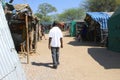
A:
[54,17]
[118,2]
[73,13]
[43,10]
[38,15]
[101,5]
[46,8]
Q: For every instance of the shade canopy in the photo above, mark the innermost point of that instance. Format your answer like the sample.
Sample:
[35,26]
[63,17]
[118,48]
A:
[100,17]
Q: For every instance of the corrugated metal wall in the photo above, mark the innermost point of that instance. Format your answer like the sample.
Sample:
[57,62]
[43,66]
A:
[10,66]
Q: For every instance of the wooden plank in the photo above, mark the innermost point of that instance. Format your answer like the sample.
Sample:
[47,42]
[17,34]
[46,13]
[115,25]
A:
[27,39]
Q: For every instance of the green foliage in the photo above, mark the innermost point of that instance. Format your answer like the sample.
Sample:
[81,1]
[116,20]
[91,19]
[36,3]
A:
[38,15]
[46,19]
[43,18]
[73,13]
[43,10]
[101,5]
[118,2]
[46,8]
[54,17]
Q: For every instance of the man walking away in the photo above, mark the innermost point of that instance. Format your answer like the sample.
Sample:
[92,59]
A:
[55,42]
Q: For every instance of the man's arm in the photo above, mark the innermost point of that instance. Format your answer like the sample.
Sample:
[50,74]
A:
[61,40]
[49,42]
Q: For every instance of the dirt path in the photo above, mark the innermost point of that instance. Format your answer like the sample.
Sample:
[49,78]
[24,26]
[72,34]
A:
[78,61]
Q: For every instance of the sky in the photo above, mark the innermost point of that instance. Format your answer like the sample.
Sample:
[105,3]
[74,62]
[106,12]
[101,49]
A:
[60,5]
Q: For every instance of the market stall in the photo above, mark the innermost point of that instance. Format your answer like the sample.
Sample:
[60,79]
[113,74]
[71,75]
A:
[97,26]
[23,26]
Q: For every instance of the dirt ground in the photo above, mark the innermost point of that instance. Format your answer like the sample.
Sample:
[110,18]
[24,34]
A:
[78,61]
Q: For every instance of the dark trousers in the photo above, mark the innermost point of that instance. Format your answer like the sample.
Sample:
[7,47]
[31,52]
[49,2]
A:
[55,55]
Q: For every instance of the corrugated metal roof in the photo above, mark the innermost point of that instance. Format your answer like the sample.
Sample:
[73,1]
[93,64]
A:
[100,17]
[10,66]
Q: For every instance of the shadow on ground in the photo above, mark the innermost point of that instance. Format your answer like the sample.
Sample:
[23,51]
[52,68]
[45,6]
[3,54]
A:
[106,58]
[82,43]
[66,35]
[42,64]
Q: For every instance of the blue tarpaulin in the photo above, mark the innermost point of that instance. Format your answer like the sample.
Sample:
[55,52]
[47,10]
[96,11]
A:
[100,17]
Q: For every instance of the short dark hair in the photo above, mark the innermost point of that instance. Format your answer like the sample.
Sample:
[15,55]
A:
[55,23]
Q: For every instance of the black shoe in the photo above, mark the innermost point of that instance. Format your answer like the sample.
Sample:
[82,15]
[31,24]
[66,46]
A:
[55,67]
[58,63]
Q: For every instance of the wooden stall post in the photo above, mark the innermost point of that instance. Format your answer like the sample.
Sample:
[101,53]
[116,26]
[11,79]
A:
[27,38]
[36,36]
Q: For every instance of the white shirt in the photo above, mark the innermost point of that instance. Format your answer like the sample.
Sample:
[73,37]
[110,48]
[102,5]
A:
[55,33]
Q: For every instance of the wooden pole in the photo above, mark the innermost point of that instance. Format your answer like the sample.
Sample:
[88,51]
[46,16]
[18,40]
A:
[27,38]
[36,36]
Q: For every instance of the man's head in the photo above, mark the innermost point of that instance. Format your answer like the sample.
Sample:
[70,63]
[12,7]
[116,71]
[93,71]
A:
[55,23]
